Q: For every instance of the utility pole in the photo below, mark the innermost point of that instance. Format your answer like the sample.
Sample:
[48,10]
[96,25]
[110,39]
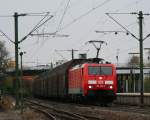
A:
[141,54]
[72,53]
[16,59]
[17,83]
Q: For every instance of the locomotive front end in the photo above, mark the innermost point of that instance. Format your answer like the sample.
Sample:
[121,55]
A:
[100,80]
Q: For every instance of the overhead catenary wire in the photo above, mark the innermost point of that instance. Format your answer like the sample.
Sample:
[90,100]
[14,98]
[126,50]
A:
[41,13]
[4,34]
[26,14]
[60,55]
[37,26]
[48,34]
[34,29]
[82,46]
[63,15]
[121,25]
[128,5]
[85,14]
[131,24]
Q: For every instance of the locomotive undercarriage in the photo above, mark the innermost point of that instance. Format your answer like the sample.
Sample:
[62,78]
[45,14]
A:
[100,97]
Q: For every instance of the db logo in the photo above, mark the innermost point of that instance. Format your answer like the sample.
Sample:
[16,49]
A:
[100,82]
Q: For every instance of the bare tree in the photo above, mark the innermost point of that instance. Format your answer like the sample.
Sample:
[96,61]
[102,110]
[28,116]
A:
[134,61]
[3,57]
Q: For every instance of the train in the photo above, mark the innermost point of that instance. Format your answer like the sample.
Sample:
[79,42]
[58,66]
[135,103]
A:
[78,80]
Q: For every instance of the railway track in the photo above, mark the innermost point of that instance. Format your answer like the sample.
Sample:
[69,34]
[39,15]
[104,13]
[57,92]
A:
[46,112]
[129,108]
[121,108]
[75,111]
[57,114]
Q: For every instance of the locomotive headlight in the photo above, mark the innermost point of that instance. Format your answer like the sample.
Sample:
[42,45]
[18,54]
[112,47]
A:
[90,86]
[110,87]
[109,82]
[92,82]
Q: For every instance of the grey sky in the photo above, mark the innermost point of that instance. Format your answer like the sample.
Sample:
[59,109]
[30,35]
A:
[81,29]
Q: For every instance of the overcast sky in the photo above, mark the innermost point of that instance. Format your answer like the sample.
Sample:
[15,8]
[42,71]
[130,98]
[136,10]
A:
[79,19]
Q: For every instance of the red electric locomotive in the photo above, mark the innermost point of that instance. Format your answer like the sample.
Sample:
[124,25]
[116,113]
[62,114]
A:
[78,79]
[93,80]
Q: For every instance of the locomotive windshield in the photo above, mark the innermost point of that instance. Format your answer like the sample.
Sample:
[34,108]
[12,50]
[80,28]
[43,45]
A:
[100,70]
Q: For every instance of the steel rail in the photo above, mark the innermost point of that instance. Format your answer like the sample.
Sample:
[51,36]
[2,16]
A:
[51,116]
[60,113]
